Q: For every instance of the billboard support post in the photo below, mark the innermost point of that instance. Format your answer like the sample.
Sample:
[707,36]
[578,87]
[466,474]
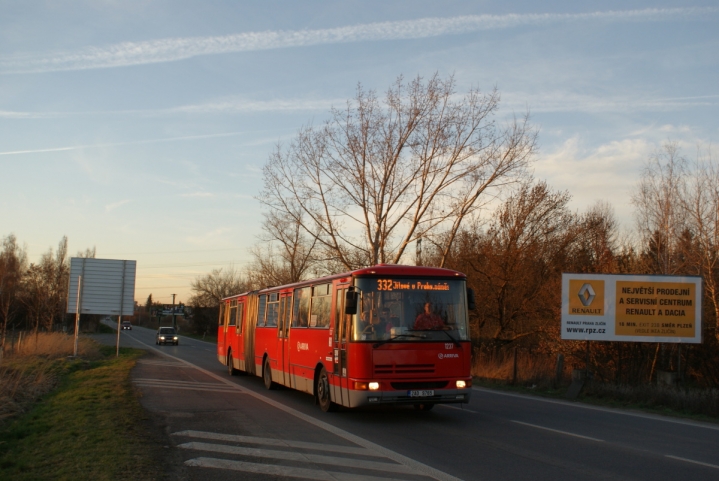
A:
[122,302]
[679,363]
[77,313]
[586,362]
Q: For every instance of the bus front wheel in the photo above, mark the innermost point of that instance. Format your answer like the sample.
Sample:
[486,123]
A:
[323,392]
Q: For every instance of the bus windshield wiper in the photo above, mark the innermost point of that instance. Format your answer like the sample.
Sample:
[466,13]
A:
[378,344]
[456,343]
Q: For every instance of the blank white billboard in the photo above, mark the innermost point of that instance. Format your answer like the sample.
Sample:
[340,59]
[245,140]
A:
[108,286]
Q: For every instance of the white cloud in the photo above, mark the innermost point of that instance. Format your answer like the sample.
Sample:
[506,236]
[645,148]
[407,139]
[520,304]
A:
[211,238]
[607,172]
[198,194]
[561,101]
[115,144]
[174,49]
[115,205]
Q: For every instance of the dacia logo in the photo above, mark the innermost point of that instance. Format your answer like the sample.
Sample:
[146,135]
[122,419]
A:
[586,294]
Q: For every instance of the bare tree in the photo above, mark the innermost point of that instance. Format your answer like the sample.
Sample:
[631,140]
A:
[657,200]
[285,253]
[209,289]
[379,175]
[13,263]
[700,205]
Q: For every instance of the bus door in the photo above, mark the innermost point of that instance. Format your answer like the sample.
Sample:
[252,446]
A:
[231,329]
[238,347]
[339,336]
[221,334]
[283,344]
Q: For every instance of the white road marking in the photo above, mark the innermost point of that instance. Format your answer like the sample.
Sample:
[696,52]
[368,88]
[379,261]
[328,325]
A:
[294,456]
[653,417]
[455,407]
[692,461]
[236,438]
[189,388]
[287,471]
[560,432]
[188,383]
[191,385]
[420,468]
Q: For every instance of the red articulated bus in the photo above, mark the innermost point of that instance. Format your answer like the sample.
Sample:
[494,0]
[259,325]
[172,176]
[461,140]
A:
[386,334]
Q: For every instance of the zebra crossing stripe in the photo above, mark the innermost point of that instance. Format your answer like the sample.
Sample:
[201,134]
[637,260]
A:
[294,456]
[235,438]
[206,387]
[287,471]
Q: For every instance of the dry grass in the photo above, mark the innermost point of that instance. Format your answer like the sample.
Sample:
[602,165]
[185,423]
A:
[657,397]
[533,371]
[31,366]
[52,345]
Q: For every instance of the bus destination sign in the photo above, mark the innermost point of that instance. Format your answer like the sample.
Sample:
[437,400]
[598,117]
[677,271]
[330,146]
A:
[411,285]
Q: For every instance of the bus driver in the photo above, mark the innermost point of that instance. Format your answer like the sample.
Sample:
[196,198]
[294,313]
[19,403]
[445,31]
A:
[428,320]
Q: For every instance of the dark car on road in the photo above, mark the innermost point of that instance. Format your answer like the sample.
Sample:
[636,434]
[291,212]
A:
[166,335]
[126,325]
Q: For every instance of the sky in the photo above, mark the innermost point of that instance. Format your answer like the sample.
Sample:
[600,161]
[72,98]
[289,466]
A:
[140,127]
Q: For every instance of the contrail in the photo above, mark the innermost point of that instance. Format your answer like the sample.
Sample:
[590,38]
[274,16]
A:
[115,144]
[174,49]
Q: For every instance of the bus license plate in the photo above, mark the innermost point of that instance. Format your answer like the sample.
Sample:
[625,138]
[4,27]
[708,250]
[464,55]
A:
[424,393]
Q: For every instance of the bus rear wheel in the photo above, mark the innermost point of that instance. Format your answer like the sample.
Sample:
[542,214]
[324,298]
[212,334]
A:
[267,375]
[323,392]
[230,367]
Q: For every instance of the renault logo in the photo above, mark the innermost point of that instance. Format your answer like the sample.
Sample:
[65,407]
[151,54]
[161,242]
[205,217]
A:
[586,294]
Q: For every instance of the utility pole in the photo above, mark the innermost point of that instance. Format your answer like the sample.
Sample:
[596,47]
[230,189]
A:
[174,323]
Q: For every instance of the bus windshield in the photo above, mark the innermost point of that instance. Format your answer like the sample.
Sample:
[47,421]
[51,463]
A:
[411,309]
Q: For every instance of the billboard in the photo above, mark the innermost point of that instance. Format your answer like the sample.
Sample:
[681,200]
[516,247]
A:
[107,284]
[634,308]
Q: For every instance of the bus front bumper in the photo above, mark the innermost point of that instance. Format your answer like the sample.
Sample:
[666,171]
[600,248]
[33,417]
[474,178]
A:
[439,396]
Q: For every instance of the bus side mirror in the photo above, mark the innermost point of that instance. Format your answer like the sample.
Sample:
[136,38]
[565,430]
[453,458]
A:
[351,301]
[470,299]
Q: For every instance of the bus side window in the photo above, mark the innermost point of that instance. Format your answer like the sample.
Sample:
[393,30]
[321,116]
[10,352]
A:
[273,307]
[301,308]
[320,311]
[233,313]
[221,318]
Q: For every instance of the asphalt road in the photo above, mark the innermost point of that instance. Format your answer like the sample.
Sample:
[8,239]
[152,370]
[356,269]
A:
[224,427]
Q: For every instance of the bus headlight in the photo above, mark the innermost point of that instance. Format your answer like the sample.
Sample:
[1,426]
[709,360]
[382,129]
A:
[373,386]
[461,384]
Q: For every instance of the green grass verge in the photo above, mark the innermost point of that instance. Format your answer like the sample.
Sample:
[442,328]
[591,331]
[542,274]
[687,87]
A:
[91,426]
